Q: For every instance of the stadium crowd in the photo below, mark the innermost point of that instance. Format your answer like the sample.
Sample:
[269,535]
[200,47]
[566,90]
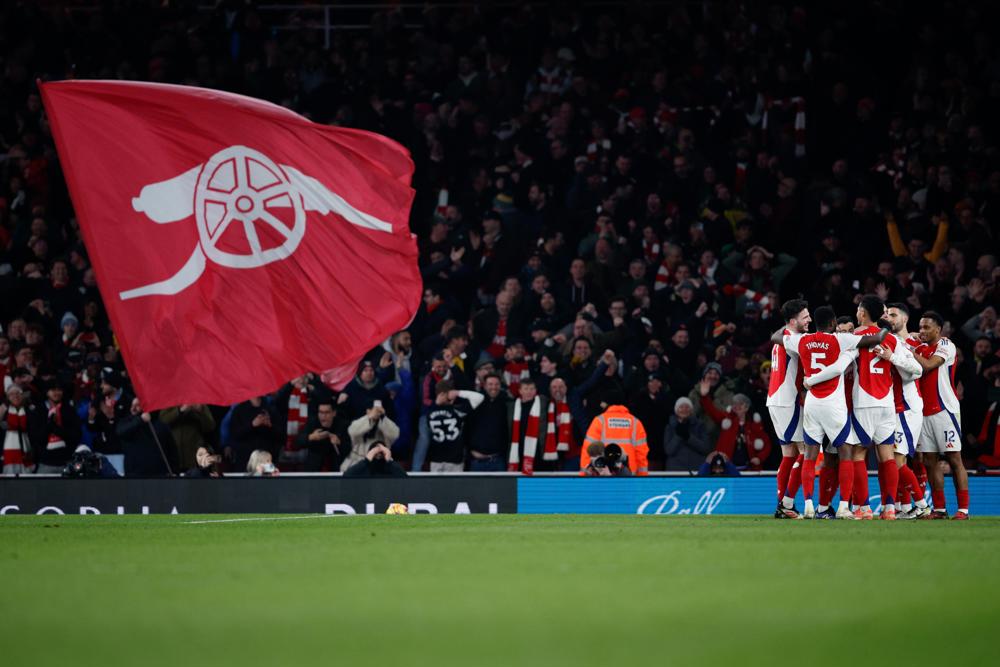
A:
[612,204]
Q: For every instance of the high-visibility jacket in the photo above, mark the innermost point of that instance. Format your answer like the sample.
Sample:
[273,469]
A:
[617,425]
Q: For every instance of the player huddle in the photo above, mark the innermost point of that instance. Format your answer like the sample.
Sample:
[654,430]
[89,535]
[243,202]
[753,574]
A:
[873,385]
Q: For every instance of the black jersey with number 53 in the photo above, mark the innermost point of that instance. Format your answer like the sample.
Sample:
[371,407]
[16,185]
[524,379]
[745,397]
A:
[447,426]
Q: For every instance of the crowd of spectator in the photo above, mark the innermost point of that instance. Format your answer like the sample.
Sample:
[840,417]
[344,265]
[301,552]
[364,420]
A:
[612,203]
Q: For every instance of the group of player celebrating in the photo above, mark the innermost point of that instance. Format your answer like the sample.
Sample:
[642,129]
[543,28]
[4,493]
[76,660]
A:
[870,385]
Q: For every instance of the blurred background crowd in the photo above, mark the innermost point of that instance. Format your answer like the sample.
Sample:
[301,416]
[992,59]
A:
[612,203]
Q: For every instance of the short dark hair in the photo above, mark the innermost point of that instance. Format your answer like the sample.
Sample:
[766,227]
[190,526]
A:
[456,332]
[492,375]
[845,319]
[525,381]
[793,307]
[824,317]
[933,316]
[872,305]
[901,307]
[443,386]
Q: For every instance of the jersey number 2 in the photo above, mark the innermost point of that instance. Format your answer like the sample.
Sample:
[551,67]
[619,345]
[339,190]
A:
[874,368]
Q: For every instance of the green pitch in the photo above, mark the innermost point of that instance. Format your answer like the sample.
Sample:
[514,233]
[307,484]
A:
[497,590]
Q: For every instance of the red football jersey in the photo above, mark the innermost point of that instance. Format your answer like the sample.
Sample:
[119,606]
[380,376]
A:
[874,381]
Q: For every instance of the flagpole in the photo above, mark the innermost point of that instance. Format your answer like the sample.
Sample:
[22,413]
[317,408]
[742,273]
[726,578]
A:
[163,455]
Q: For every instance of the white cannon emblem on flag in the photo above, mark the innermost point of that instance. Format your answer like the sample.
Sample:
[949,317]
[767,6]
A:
[242,186]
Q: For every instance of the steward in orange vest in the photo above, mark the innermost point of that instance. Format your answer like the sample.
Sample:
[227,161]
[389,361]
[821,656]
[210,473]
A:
[617,425]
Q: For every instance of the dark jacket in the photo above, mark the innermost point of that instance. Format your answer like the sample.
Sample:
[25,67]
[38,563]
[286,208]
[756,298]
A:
[484,326]
[653,412]
[142,454]
[366,468]
[489,426]
[66,427]
[322,450]
[244,437]
[360,398]
[686,444]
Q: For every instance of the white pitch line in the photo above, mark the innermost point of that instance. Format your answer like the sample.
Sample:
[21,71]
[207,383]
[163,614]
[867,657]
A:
[266,518]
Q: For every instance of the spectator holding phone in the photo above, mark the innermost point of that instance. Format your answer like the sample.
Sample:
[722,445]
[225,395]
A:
[326,439]
[253,426]
[373,426]
[261,464]
[208,465]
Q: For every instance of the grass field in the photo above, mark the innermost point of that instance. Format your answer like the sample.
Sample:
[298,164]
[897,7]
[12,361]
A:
[497,590]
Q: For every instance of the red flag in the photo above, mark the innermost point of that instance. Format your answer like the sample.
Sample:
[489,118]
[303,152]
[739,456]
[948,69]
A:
[236,243]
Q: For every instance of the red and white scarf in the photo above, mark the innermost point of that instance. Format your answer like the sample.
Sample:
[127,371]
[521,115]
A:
[530,438]
[55,441]
[298,414]
[513,373]
[764,301]
[664,276]
[799,105]
[651,251]
[707,274]
[559,431]
[17,435]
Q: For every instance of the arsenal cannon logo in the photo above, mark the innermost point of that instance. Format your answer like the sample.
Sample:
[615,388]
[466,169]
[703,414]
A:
[249,212]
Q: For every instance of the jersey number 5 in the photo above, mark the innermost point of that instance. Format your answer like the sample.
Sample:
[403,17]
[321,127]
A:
[439,433]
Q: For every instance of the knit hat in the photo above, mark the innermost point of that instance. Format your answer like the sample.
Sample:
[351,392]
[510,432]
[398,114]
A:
[683,400]
[741,398]
[710,366]
[69,317]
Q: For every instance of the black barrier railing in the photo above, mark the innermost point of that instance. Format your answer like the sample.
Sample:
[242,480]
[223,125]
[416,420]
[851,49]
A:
[459,494]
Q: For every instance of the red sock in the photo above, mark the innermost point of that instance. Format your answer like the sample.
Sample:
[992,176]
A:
[938,496]
[846,474]
[921,471]
[908,482]
[860,483]
[882,478]
[795,478]
[784,471]
[963,499]
[827,483]
[888,477]
[808,478]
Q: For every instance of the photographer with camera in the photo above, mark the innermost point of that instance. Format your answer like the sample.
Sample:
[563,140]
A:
[606,461]
[377,463]
[87,464]
[371,427]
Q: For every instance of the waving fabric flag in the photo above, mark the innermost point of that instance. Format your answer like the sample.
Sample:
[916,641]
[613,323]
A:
[236,243]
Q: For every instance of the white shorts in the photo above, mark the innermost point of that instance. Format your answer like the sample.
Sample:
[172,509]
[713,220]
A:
[875,425]
[821,420]
[852,434]
[787,422]
[908,425]
[940,434]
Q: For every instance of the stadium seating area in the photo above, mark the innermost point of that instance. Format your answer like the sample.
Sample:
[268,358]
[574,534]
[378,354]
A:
[618,197]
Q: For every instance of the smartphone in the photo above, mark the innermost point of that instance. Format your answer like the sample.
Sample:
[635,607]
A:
[377,404]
